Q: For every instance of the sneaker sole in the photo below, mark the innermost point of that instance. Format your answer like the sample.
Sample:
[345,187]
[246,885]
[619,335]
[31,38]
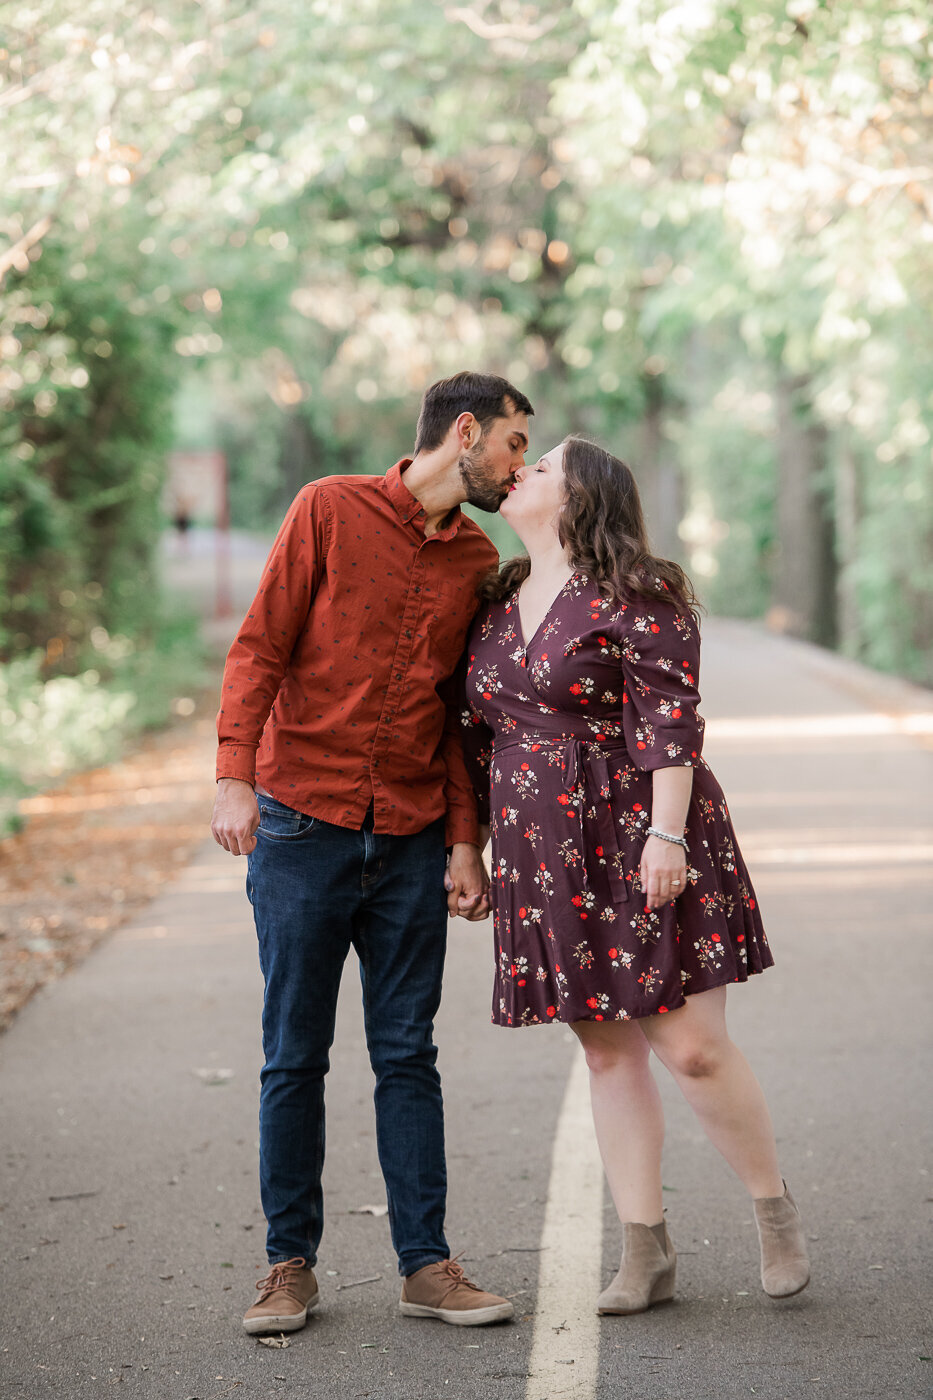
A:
[460,1317]
[288,1322]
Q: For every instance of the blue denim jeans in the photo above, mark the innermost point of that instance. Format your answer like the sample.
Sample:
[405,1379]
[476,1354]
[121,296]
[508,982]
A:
[317,890]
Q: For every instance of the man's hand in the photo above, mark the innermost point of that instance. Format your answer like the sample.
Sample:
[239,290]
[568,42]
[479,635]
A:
[236,816]
[467,883]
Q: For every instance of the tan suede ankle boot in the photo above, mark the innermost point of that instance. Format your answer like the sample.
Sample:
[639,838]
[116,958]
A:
[785,1267]
[646,1273]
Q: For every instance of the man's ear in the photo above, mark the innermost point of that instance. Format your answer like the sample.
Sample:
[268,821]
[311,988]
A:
[468,430]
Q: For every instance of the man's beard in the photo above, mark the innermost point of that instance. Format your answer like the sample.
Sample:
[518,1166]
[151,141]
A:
[483,489]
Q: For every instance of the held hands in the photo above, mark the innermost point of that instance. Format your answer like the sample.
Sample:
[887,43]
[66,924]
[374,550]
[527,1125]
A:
[663,871]
[236,817]
[467,883]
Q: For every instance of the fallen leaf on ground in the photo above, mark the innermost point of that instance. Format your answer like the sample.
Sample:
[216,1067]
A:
[368,1210]
[273,1341]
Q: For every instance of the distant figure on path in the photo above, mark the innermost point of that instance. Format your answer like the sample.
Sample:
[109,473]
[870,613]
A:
[341,777]
[621,902]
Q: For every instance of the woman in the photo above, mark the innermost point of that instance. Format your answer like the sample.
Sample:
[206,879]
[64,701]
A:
[621,902]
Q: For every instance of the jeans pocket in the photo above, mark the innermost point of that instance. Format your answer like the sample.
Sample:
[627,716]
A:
[280,823]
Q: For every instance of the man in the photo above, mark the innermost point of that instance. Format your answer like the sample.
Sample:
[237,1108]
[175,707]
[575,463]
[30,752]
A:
[340,776]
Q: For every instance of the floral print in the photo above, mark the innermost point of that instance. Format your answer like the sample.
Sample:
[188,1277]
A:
[561,737]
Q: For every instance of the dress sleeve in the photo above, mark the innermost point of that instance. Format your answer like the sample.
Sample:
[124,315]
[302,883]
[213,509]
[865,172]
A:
[661,665]
[462,821]
[476,737]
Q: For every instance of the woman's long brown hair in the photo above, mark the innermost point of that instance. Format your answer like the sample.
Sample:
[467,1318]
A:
[602,527]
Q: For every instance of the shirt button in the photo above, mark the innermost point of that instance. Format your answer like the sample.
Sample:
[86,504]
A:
[398,675]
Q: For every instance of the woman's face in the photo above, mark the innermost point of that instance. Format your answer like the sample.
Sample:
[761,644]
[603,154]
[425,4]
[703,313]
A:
[536,496]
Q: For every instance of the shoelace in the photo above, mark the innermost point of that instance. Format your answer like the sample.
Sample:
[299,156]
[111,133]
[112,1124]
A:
[455,1274]
[278,1279]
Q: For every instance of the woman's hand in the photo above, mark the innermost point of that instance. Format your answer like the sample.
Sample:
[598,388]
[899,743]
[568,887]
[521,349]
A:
[663,871]
[467,883]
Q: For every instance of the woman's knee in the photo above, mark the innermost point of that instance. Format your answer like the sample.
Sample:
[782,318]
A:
[608,1052]
[695,1059]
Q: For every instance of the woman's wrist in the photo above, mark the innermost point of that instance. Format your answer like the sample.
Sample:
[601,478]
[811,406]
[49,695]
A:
[668,836]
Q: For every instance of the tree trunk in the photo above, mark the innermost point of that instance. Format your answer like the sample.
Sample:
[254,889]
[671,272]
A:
[848,512]
[659,480]
[804,588]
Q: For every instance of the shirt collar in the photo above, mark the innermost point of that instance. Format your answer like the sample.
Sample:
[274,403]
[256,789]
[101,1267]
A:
[408,507]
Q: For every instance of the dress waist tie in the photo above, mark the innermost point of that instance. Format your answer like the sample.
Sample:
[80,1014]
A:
[586,781]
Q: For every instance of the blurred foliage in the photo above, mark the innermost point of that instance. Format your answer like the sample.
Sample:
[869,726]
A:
[48,727]
[701,232]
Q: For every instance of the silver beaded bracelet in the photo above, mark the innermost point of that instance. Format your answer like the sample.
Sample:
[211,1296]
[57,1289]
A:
[665,836]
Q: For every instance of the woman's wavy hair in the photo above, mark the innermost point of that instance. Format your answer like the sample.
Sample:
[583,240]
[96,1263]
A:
[602,527]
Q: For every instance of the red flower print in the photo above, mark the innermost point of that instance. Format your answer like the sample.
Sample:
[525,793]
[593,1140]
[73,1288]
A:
[562,798]
[552,1011]
[655,627]
[642,744]
[613,952]
[599,850]
[675,714]
[577,900]
[521,981]
[592,1003]
[522,912]
[740,938]
[575,689]
[637,807]
[542,866]
[716,938]
[661,1008]
[598,1018]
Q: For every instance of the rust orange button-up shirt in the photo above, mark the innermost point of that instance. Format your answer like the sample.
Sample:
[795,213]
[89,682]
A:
[334,690]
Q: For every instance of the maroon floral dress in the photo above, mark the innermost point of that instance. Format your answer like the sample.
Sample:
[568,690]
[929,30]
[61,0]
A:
[562,736]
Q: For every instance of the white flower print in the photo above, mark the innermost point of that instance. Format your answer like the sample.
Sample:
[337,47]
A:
[569,853]
[619,957]
[647,926]
[525,781]
[584,955]
[488,682]
[544,880]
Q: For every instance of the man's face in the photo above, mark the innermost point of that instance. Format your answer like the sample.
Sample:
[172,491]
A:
[488,468]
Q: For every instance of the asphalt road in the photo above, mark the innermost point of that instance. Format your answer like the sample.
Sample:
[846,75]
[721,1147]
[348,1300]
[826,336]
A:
[131,1230]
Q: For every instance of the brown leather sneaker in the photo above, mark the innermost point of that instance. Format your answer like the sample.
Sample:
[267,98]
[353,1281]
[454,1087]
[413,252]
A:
[442,1290]
[286,1295]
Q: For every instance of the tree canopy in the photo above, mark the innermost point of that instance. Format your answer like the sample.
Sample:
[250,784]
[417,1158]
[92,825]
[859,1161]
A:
[700,231]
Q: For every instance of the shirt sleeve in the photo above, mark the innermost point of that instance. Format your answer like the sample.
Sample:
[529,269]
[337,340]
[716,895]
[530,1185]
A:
[661,665]
[259,656]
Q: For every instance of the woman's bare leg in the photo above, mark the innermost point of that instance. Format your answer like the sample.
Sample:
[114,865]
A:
[627,1114]
[717,1082]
